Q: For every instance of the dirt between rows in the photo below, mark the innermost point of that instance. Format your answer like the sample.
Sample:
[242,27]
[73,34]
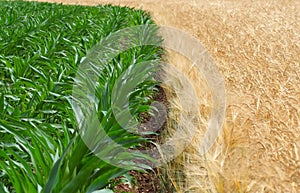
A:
[256,45]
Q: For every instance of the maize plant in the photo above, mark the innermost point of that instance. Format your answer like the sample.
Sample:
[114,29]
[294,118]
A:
[41,47]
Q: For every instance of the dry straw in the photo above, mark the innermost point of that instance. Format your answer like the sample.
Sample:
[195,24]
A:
[257,47]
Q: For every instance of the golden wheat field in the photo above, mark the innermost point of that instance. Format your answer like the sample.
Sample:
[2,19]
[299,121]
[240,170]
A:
[256,45]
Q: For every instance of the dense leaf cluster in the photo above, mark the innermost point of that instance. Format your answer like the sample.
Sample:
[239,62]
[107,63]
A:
[41,46]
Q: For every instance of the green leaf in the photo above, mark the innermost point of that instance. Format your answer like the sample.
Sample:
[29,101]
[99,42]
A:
[41,47]
[103,191]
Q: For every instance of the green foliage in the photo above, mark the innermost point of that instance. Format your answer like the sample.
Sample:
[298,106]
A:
[41,46]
